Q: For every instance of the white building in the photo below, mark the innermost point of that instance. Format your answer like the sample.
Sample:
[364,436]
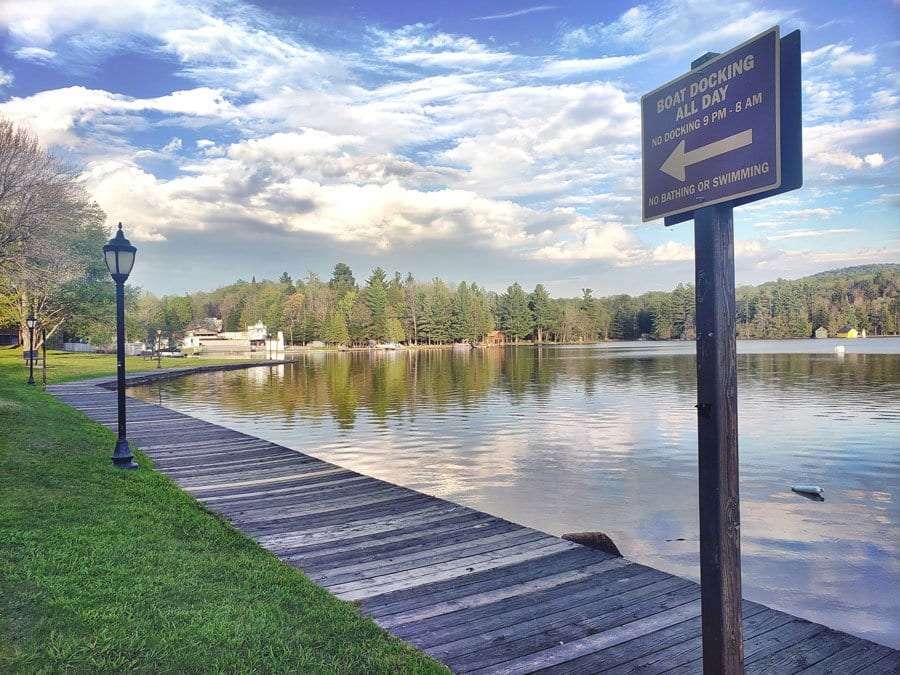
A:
[208,339]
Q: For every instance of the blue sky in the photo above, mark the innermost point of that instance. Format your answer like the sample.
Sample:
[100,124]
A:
[495,141]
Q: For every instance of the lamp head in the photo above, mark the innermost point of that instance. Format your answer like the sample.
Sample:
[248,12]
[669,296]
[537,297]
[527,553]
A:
[119,256]
[31,322]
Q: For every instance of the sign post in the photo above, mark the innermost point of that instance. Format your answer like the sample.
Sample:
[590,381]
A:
[712,139]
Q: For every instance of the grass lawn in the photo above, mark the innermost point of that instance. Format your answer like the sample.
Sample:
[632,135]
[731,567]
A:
[108,570]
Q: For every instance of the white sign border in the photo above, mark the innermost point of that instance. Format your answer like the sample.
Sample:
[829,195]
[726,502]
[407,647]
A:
[763,188]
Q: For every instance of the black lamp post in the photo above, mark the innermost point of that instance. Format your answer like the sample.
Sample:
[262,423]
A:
[158,348]
[31,322]
[119,256]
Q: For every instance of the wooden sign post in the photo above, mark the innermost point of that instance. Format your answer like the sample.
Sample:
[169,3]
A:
[724,134]
[717,435]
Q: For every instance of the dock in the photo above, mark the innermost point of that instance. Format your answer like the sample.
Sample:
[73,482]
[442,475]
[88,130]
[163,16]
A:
[476,592]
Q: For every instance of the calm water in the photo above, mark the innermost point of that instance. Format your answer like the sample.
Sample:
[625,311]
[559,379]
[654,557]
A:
[604,438]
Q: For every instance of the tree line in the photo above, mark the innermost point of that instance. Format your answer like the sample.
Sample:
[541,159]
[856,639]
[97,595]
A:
[400,308]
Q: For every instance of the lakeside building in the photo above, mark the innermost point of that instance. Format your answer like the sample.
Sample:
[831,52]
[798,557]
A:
[495,337]
[847,331]
[821,332]
[207,337]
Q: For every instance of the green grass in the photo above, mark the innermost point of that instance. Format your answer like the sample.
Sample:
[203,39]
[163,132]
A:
[104,570]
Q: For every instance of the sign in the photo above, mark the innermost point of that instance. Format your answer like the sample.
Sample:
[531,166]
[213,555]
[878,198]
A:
[30,355]
[714,134]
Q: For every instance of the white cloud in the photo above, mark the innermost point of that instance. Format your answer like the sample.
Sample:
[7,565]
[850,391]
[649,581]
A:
[673,251]
[568,67]
[6,78]
[54,114]
[874,160]
[38,54]
[515,13]
[801,234]
[418,45]
[808,213]
[843,145]
[651,29]
[174,145]
[610,242]
[840,58]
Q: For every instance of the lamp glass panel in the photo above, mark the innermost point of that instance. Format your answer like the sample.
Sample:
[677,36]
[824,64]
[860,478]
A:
[110,257]
[126,262]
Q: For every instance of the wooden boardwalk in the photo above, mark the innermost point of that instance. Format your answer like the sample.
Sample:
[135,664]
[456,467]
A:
[479,593]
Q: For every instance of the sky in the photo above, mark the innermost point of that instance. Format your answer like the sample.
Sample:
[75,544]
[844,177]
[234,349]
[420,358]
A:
[492,141]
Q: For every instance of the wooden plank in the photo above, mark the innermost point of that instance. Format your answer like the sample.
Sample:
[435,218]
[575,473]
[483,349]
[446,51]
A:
[481,582]
[466,603]
[803,654]
[649,654]
[570,626]
[196,489]
[761,646]
[315,555]
[887,665]
[461,553]
[344,516]
[290,541]
[567,652]
[851,659]
[522,607]
[374,588]
[427,541]
[518,620]
[334,494]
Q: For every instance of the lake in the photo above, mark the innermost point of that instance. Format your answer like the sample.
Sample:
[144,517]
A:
[603,437]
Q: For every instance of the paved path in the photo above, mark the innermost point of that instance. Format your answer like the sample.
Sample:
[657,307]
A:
[479,593]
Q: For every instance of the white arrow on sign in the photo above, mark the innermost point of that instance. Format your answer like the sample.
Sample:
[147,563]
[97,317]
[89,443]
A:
[679,159]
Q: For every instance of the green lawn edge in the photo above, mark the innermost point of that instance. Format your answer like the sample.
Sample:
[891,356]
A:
[106,570]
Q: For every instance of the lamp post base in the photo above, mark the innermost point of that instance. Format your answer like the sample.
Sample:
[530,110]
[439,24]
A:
[122,457]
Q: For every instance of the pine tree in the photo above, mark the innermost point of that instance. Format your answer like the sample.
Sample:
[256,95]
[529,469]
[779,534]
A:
[542,309]
[377,302]
[440,311]
[395,332]
[342,281]
[336,332]
[515,317]
[463,324]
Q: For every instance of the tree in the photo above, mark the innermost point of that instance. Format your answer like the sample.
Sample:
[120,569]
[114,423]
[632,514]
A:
[60,277]
[542,310]
[515,317]
[439,312]
[377,302]
[39,195]
[293,312]
[342,281]
[463,321]
[394,330]
[410,308]
[335,331]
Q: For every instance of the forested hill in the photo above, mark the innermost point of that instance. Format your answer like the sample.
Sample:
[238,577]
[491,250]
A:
[341,310]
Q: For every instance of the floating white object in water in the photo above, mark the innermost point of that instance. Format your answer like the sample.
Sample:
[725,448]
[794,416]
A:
[807,489]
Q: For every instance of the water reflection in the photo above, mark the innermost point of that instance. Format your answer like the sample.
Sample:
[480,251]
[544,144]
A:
[569,439]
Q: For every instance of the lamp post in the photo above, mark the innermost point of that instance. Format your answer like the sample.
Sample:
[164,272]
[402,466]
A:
[119,256]
[31,322]
[158,348]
